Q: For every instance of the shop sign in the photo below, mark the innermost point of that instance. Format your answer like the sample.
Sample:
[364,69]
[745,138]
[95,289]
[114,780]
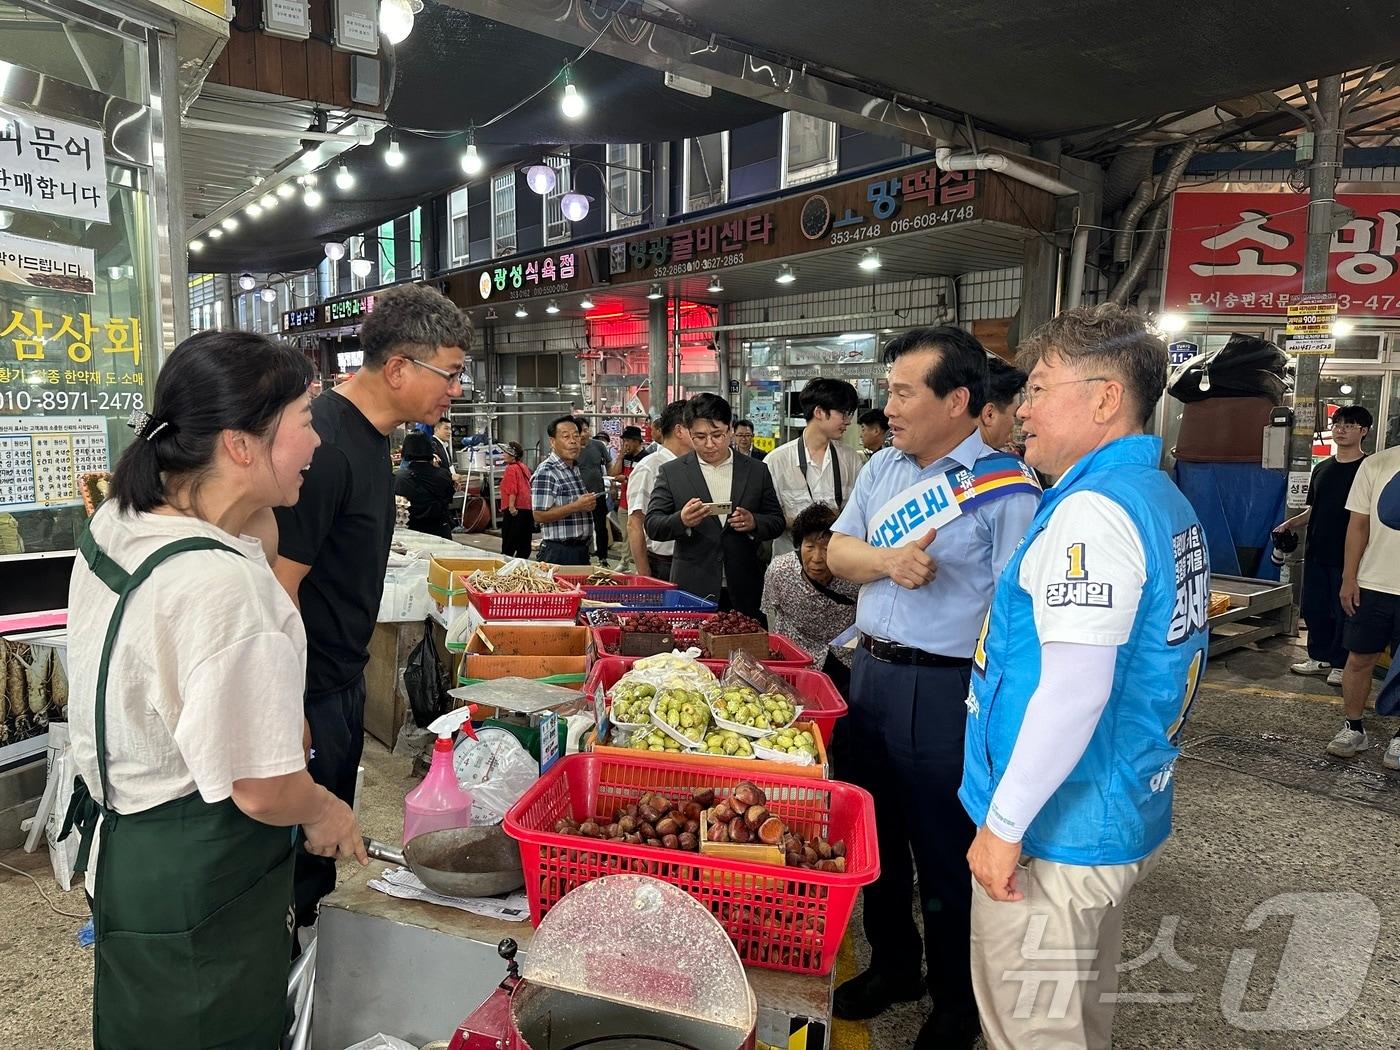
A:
[1242,253]
[327,315]
[42,458]
[46,264]
[552,274]
[39,348]
[862,210]
[52,166]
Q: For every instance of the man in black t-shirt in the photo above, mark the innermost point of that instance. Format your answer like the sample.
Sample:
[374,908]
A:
[1326,518]
[334,542]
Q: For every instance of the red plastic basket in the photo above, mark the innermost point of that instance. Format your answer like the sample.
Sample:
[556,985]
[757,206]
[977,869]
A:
[822,702]
[779,918]
[790,654]
[558,605]
[624,588]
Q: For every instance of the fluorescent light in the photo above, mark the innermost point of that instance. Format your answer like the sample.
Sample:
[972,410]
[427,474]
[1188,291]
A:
[785,274]
[870,260]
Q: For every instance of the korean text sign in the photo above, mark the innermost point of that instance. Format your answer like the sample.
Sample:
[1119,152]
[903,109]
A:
[51,166]
[1242,253]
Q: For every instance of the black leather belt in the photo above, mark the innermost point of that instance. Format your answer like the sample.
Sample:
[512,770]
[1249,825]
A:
[894,653]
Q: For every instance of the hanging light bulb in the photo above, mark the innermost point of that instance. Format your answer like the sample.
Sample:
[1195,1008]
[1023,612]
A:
[1342,327]
[520,311]
[541,178]
[312,198]
[309,179]
[1170,323]
[247,282]
[715,287]
[230,224]
[312,158]
[393,156]
[360,266]
[196,246]
[471,159]
[395,20]
[214,233]
[870,260]
[654,292]
[572,104]
[1205,381]
[335,251]
[286,191]
[253,210]
[343,179]
[552,308]
[269,201]
[574,206]
[785,274]
[586,303]
[268,294]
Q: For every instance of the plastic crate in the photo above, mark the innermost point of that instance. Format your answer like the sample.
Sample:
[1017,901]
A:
[822,702]
[625,589]
[658,601]
[679,620]
[556,605]
[790,654]
[779,918]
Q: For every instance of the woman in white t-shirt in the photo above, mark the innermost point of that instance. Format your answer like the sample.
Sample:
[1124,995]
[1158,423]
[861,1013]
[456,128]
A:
[188,664]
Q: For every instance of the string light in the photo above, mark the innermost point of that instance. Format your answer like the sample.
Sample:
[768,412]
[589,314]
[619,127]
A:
[286,191]
[253,210]
[230,224]
[471,159]
[269,201]
[393,156]
[214,233]
[312,197]
[573,104]
[343,179]
[196,246]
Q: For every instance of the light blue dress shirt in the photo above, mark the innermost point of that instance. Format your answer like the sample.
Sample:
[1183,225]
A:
[944,616]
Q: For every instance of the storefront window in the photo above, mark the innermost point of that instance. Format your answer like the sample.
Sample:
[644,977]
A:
[69,49]
[73,365]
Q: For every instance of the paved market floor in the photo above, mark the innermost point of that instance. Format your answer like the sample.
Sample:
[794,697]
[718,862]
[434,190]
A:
[1266,903]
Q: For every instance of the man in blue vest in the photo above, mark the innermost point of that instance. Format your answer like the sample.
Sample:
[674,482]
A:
[1082,680]
[929,524]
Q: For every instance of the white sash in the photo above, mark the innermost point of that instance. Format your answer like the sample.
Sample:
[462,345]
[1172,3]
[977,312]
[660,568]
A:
[924,505]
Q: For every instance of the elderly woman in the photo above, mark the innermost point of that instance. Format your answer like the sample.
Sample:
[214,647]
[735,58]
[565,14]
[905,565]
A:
[188,664]
[805,602]
[517,518]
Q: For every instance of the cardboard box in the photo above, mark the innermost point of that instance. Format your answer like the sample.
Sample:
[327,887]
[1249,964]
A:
[721,646]
[446,589]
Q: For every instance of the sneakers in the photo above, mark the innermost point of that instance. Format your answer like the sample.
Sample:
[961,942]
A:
[1313,668]
[1391,758]
[1349,742]
[1334,676]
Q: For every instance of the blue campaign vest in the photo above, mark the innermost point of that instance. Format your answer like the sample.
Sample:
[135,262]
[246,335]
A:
[1115,806]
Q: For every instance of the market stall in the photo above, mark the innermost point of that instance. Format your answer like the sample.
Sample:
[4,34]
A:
[696,765]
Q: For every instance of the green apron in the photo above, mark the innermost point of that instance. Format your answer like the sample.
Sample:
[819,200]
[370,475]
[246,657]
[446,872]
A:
[193,911]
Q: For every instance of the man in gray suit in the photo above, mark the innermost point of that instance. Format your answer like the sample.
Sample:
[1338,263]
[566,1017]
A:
[718,508]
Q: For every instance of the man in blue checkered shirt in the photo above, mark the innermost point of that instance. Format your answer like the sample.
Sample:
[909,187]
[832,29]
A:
[563,507]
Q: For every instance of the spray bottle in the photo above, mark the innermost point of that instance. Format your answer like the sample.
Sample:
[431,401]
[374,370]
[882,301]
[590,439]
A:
[440,802]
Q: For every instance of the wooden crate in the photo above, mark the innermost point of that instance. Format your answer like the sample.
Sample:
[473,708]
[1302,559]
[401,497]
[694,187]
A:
[645,643]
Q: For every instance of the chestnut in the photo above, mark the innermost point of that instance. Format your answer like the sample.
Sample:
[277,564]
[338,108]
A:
[667,826]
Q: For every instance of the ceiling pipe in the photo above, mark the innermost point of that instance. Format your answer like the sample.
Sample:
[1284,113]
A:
[1147,250]
[1078,256]
[999,162]
[1128,224]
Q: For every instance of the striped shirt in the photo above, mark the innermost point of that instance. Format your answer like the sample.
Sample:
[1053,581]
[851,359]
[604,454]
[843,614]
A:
[554,484]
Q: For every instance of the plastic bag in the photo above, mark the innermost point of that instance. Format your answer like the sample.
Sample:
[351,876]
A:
[425,680]
[497,769]
[61,771]
[405,596]
[744,670]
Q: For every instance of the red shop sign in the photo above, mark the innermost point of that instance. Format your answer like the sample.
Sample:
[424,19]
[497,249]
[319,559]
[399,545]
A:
[1242,253]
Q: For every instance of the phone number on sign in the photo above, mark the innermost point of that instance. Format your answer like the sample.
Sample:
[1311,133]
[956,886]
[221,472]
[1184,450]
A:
[931,218]
[699,265]
[72,401]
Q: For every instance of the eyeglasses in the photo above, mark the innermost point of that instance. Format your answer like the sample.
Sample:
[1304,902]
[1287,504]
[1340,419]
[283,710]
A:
[459,377]
[710,437]
[1346,426]
[1030,393]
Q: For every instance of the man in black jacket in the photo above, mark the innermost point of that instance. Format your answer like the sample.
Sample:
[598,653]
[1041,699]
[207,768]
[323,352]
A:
[717,507]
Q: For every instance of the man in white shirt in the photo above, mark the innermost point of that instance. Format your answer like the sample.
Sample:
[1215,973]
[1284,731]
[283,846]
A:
[653,557]
[815,467]
[1370,599]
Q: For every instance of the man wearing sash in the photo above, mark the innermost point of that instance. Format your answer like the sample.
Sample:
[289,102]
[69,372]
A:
[1084,676]
[930,524]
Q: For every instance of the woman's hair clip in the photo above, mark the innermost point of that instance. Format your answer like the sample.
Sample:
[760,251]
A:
[146,425]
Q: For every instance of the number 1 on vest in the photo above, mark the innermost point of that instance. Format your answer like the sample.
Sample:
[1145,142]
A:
[1075,553]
